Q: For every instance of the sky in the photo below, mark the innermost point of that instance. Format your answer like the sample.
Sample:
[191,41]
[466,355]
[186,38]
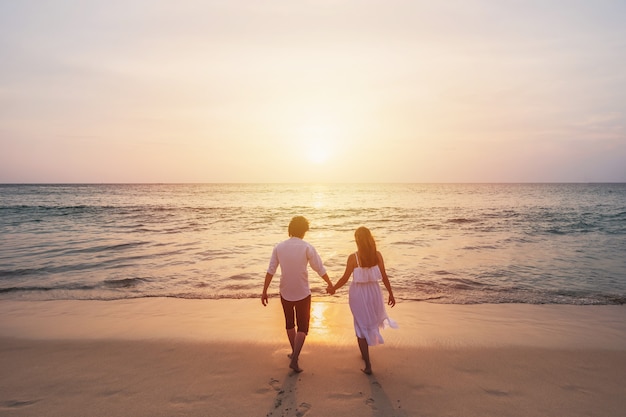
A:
[312,91]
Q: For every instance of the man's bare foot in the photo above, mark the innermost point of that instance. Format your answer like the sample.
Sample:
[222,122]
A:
[294,365]
[367,370]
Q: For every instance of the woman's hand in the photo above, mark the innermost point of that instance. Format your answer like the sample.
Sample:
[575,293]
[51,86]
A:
[392,300]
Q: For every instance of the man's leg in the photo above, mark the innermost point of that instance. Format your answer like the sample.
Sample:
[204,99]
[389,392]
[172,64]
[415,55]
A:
[303,316]
[291,334]
[297,348]
[290,322]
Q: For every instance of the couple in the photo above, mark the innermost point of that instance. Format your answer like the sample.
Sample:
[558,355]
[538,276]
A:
[365,296]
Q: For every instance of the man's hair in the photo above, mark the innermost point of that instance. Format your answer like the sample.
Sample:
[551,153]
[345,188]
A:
[298,226]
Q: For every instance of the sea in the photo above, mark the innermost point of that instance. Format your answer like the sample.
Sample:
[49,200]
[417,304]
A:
[441,243]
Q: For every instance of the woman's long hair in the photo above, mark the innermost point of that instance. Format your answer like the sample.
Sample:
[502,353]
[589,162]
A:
[366,246]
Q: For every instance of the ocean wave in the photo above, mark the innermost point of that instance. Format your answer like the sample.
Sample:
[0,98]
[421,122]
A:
[480,247]
[86,292]
[442,243]
[461,221]
[124,282]
[66,287]
[463,283]
[107,248]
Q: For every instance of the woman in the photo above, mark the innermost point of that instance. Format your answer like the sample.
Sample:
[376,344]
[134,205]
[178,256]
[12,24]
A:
[365,296]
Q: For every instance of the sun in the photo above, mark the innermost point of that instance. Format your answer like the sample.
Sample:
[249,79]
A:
[318,153]
[318,142]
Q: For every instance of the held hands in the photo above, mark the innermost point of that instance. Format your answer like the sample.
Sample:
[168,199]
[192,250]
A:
[330,290]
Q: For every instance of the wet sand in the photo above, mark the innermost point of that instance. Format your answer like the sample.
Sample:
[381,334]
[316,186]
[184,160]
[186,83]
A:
[169,357]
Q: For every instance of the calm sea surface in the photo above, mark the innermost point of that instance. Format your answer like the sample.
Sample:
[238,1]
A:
[442,243]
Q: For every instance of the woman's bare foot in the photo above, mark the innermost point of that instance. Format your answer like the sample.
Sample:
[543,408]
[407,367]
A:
[368,368]
[294,365]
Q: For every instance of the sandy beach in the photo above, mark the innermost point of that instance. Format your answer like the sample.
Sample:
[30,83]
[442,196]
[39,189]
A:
[170,357]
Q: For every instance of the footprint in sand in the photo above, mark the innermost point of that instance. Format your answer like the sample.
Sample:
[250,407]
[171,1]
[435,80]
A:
[575,388]
[12,404]
[346,395]
[190,400]
[274,383]
[302,409]
[496,392]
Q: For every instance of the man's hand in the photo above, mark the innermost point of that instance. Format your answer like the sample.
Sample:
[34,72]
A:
[330,289]
[264,299]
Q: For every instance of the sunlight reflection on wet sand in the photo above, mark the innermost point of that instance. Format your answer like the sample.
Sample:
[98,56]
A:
[420,324]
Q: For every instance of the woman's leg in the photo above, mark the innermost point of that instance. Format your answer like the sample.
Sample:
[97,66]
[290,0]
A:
[365,354]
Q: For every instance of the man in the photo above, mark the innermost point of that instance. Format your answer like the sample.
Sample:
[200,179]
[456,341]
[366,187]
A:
[294,255]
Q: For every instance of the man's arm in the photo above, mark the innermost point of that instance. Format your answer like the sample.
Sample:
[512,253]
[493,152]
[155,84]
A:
[268,279]
[318,266]
[329,285]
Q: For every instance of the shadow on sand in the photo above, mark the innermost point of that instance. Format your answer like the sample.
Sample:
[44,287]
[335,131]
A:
[286,400]
[379,401]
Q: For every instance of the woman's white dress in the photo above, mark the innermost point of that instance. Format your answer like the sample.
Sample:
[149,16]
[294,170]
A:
[367,304]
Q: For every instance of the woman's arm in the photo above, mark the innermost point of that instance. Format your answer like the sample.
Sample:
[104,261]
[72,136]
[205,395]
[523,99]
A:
[350,264]
[381,266]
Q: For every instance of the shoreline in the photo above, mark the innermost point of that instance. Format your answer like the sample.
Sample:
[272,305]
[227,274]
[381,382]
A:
[168,357]
[246,320]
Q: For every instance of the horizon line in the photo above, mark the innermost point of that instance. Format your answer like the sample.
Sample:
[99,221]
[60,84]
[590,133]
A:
[317,183]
